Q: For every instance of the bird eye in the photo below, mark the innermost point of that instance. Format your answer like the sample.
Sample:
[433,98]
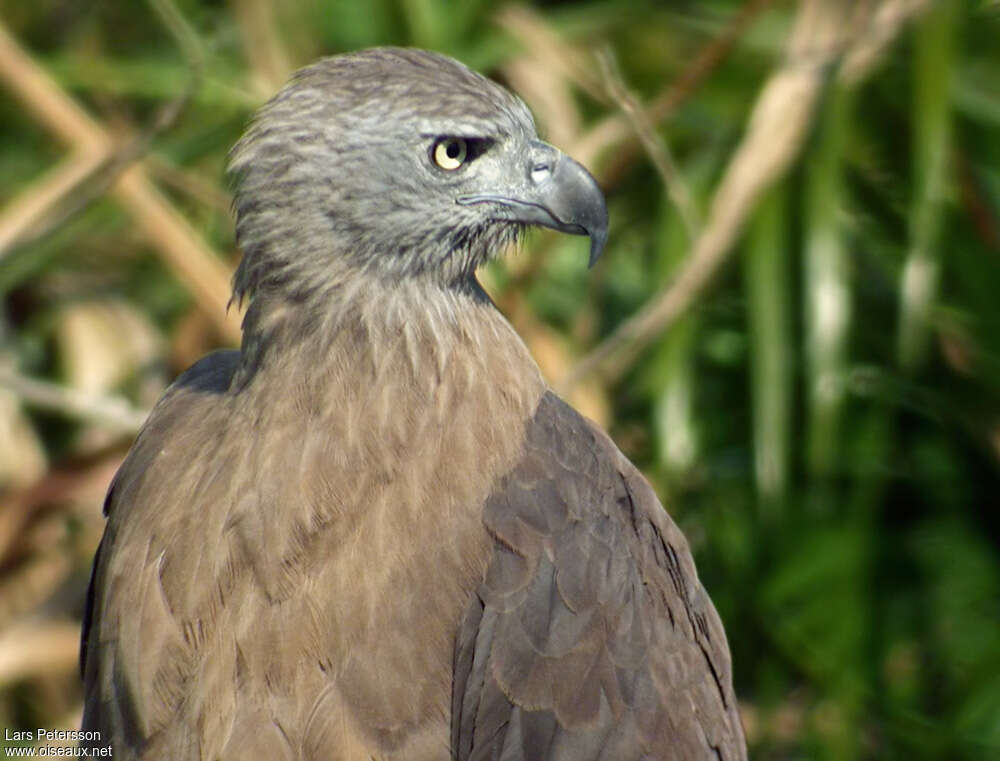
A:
[450,153]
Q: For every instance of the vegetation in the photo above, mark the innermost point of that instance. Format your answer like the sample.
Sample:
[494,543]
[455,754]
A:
[794,330]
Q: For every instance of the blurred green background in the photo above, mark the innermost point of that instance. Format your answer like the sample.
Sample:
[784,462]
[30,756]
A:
[796,320]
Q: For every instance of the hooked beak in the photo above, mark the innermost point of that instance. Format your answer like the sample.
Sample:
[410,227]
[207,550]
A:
[556,192]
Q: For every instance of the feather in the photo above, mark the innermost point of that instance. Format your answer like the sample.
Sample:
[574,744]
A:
[586,654]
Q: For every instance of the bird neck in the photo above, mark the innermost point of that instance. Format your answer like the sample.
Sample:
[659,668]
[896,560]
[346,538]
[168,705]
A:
[410,333]
[386,369]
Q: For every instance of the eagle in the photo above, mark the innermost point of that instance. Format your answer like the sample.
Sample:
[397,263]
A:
[374,533]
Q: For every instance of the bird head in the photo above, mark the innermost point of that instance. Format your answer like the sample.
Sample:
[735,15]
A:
[399,163]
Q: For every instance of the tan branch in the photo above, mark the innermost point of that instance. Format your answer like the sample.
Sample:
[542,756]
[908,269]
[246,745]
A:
[615,131]
[52,203]
[194,263]
[36,649]
[551,50]
[656,148]
[266,53]
[109,411]
[777,128]
[191,184]
[29,209]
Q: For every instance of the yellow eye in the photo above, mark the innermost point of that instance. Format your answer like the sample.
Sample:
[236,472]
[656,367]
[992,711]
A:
[450,153]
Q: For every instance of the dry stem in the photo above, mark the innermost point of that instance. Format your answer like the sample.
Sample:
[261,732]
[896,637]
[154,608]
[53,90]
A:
[111,412]
[195,264]
[656,148]
[777,128]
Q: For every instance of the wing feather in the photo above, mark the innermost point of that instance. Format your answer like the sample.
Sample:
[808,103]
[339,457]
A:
[591,637]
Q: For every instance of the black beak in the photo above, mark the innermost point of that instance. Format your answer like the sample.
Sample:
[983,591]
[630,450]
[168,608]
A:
[557,192]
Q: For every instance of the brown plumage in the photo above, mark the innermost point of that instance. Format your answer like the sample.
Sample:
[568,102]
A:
[373,533]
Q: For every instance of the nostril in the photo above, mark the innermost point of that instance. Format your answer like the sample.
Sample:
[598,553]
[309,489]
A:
[540,172]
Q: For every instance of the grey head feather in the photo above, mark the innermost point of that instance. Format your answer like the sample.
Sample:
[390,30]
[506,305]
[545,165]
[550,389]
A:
[335,178]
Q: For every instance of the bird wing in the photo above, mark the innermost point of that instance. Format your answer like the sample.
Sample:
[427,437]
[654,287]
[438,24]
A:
[591,636]
[134,645]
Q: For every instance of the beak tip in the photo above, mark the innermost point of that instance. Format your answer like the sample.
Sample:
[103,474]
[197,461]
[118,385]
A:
[597,240]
